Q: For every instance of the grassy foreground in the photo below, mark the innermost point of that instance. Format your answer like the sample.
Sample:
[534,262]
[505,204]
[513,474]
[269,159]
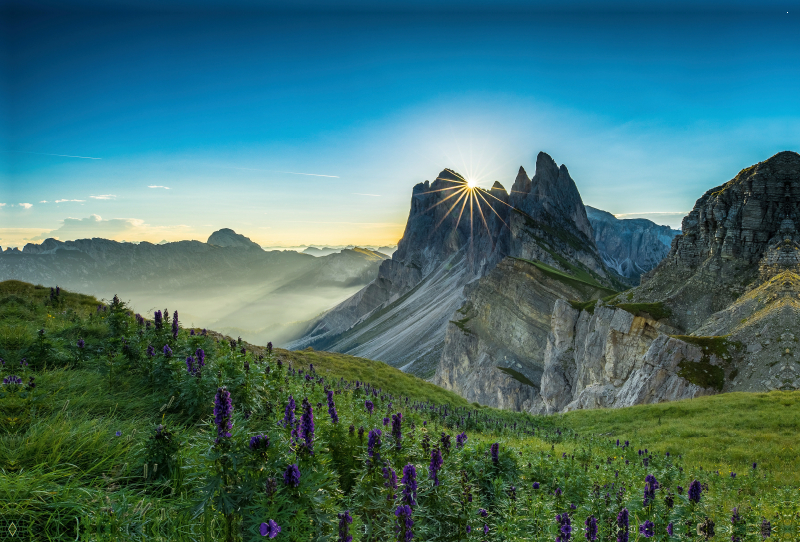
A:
[116,427]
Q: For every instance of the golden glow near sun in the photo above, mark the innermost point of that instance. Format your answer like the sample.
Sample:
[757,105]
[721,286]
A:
[472,183]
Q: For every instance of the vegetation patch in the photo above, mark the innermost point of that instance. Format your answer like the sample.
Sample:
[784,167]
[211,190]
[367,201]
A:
[578,283]
[462,325]
[719,346]
[657,310]
[516,375]
[587,306]
[702,373]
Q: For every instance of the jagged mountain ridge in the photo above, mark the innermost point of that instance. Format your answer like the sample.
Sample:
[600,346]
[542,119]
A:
[630,246]
[401,318]
[247,291]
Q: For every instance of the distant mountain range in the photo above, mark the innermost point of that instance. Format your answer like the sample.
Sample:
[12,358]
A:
[325,251]
[229,282]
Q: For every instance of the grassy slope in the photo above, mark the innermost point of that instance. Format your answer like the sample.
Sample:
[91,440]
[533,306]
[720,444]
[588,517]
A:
[728,431]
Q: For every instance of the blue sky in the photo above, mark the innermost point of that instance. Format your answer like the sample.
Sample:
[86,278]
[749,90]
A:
[227,112]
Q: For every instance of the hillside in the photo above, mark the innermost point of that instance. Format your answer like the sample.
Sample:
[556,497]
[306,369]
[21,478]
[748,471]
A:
[107,441]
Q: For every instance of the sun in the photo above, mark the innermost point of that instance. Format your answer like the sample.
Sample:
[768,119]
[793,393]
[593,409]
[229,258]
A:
[472,183]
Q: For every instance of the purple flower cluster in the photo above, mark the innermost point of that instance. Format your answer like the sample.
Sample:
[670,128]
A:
[151,351]
[405,525]
[158,319]
[623,523]
[259,444]
[288,413]
[370,406]
[190,366]
[223,409]
[397,430]
[307,426]
[175,325]
[332,408]
[167,351]
[461,439]
[81,343]
[647,529]
[270,529]
[495,453]
[695,489]
[650,486]
[344,527]
[391,482]
[12,379]
[564,527]
[591,527]
[373,442]
[201,357]
[291,477]
[409,481]
[436,464]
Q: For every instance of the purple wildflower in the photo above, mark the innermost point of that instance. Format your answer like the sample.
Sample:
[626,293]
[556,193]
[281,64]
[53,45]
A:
[167,351]
[151,351]
[158,319]
[201,357]
[270,529]
[190,368]
[12,379]
[650,486]
[495,453]
[564,527]
[391,482]
[409,482]
[385,422]
[288,413]
[483,512]
[259,444]
[733,475]
[223,409]
[461,439]
[647,529]
[591,527]
[485,529]
[405,524]
[536,485]
[81,343]
[344,527]
[369,405]
[695,489]
[332,408]
[374,441]
[307,426]
[436,463]
[623,522]
[670,528]
[291,477]
[175,325]
[766,529]
[397,430]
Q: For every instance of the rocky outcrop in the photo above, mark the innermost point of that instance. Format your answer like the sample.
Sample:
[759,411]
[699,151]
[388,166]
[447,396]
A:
[613,358]
[226,237]
[454,236]
[630,246]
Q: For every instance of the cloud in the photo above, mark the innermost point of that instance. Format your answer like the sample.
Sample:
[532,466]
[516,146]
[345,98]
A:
[104,196]
[26,205]
[288,172]
[158,186]
[62,155]
[76,200]
[113,228]
[2,204]
[43,201]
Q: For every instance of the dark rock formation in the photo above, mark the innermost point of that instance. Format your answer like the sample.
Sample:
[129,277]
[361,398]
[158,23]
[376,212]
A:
[630,246]
[226,237]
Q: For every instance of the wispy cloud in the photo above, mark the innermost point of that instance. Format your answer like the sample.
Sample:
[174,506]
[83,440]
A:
[289,172]
[61,155]
[373,195]
[43,201]
[158,186]
[26,205]
[2,204]
[66,200]
[104,196]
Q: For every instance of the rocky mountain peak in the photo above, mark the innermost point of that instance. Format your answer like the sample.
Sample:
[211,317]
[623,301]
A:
[522,184]
[226,237]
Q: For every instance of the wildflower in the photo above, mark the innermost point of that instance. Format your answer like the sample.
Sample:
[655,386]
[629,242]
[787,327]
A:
[175,325]
[483,512]
[469,529]
[573,506]
[733,475]
[288,416]
[151,351]
[307,425]
[270,529]
[495,453]
[12,379]
[344,527]
[536,485]
[118,433]
[766,528]
[650,486]
[623,522]
[405,524]
[694,491]
[565,527]
[157,319]
[332,408]
[385,422]
[754,466]
[374,441]
[291,477]
[201,357]
[461,439]
[190,368]
[736,517]
[680,490]
[646,529]
[436,463]
[167,351]
[361,432]
[557,492]
[670,529]
[591,526]
[409,481]
[81,343]
[223,409]
[485,529]
[259,444]
[369,405]
[397,431]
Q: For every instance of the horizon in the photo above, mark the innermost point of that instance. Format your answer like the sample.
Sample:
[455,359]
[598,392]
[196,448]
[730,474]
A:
[309,127]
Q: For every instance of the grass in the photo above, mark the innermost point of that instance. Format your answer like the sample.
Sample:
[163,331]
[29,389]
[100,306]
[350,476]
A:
[580,283]
[516,375]
[727,431]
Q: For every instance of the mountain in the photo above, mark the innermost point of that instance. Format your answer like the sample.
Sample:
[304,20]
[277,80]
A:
[247,291]
[455,236]
[630,246]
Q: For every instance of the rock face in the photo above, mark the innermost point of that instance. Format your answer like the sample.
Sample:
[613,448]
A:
[402,317]
[226,237]
[724,239]
[630,246]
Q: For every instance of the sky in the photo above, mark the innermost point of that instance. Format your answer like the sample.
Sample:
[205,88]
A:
[308,123]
